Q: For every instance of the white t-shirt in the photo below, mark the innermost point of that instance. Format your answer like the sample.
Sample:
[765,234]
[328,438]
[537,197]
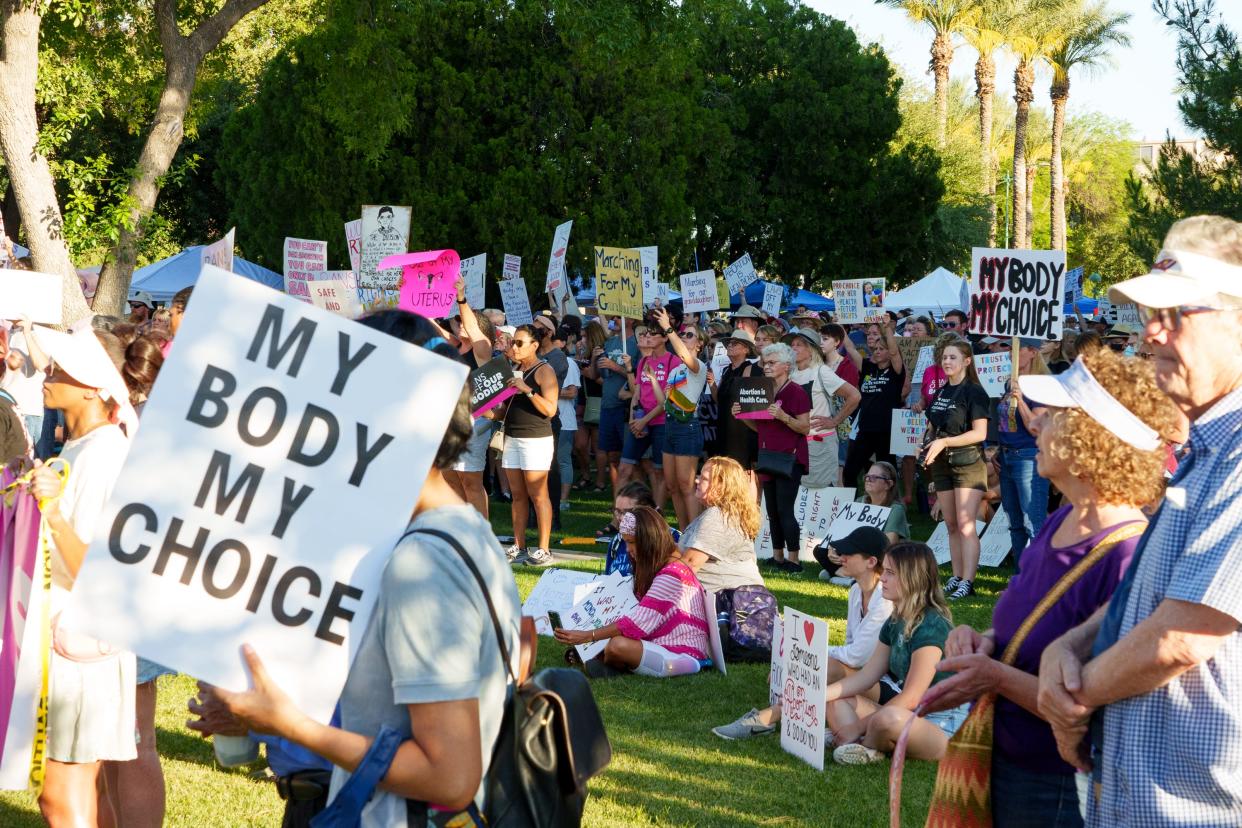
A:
[567,408]
[26,384]
[95,461]
[824,383]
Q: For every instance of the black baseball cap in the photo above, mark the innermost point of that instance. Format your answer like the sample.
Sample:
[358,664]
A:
[865,540]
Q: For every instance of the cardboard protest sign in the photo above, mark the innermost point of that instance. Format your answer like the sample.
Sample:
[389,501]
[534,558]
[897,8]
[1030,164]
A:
[773,295]
[698,292]
[755,394]
[927,355]
[335,291]
[939,541]
[303,257]
[558,590]
[353,243]
[613,597]
[619,282]
[907,434]
[724,301]
[472,271]
[428,281]
[994,370]
[649,261]
[556,258]
[853,515]
[1017,292]
[220,253]
[385,232]
[740,274]
[909,347]
[488,387]
[279,458]
[805,682]
[994,542]
[815,510]
[28,293]
[512,267]
[516,302]
[776,668]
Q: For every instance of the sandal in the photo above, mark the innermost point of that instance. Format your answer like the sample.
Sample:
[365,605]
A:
[607,532]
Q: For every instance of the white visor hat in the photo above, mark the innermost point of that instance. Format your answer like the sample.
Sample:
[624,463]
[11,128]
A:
[1078,388]
[1180,277]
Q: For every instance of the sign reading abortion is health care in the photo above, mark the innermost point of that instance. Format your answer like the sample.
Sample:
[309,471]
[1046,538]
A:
[277,464]
[1017,292]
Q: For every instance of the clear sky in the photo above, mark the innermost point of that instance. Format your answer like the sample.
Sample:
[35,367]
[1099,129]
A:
[1139,87]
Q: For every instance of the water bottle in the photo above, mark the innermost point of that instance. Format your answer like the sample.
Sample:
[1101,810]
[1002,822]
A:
[232,751]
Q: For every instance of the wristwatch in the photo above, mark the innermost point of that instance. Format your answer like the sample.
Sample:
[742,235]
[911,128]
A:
[668,331]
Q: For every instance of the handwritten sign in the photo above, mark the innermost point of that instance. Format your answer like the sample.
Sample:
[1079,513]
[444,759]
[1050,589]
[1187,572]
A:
[755,395]
[722,295]
[303,257]
[512,268]
[1017,292]
[995,542]
[815,510]
[851,516]
[516,302]
[428,281]
[740,274]
[909,347]
[847,295]
[488,385]
[763,541]
[907,433]
[612,598]
[25,292]
[556,258]
[927,355]
[805,682]
[649,261]
[353,243]
[220,253]
[939,541]
[698,292]
[385,232]
[557,590]
[773,295]
[1073,285]
[335,291]
[994,370]
[1127,314]
[619,282]
[776,668]
[472,272]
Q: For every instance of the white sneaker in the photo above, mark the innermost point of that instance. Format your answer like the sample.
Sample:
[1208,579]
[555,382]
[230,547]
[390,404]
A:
[515,554]
[744,728]
[538,557]
[841,580]
[564,505]
[856,754]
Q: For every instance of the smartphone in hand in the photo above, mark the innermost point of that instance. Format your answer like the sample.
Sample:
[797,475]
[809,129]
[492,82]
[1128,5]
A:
[554,618]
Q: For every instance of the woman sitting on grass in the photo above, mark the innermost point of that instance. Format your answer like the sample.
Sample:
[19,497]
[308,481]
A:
[867,710]
[860,555]
[666,634]
[720,544]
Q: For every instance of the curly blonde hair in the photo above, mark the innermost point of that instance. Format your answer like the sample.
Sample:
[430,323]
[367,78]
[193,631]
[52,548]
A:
[730,491]
[1120,473]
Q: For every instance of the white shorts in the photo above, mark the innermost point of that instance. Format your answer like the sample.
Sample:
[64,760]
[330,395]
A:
[529,453]
[474,458]
[91,709]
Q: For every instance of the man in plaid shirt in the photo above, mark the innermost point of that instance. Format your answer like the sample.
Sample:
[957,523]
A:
[1161,666]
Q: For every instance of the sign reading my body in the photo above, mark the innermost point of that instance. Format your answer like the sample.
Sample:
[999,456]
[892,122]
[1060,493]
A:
[260,418]
[1006,303]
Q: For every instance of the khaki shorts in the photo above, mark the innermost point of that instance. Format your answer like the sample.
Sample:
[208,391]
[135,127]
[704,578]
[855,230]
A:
[948,477]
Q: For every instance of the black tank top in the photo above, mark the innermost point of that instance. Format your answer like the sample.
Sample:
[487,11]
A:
[523,419]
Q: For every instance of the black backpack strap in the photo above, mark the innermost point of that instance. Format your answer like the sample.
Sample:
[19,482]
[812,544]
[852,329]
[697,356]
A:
[478,576]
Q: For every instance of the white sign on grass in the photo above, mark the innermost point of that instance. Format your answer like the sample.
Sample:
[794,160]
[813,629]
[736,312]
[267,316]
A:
[27,293]
[279,458]
[907,433]
[1017,292]
[649,258]
[698,292]
[803,689]
[740,274]
[995,542]
[815,510]
[385,232]
[763,541]
[939,541]
[994,371]
[220,253]
[472,272]
[557,590]
[516,302]
[556,258]
[303,257]
[773,295]
[776,668]
[612,598]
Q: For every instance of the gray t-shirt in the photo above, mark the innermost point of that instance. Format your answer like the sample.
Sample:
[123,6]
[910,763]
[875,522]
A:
[731,555]
[431,639]
[613,381]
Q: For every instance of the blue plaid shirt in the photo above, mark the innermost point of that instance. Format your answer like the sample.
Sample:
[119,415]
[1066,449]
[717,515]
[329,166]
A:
[1174,756]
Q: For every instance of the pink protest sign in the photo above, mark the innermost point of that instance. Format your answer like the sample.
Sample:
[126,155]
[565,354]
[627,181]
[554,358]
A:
[428,281]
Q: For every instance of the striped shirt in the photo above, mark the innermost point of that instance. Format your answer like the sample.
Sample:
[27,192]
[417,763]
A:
[672,614]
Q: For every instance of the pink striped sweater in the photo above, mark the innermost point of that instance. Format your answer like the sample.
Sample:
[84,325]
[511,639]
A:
[672,614]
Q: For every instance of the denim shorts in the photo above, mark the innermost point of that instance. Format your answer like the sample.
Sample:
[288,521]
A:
[636,447]
[949,720]
[150,671]
[683,439]
[613,427]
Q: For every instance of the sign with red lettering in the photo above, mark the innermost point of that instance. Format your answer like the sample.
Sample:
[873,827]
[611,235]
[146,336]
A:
[1017,292]
[805,680]
[279,459]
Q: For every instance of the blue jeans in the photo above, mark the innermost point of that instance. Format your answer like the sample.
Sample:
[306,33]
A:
[1021,799]
[34,427]
[1024,494]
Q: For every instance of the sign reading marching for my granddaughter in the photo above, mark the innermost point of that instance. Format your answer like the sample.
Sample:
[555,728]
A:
[277,465]
[1017,292]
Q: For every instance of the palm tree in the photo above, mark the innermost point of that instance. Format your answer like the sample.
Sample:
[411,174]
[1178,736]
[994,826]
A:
[947,18]
[1089,35]
[1040,30]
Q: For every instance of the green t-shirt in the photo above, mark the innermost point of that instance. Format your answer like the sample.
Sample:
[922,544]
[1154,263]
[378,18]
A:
[931,632]
[897,522]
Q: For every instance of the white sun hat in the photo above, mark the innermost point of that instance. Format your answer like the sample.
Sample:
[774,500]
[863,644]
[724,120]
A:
[1078,388]
[1180,277]
[82,357]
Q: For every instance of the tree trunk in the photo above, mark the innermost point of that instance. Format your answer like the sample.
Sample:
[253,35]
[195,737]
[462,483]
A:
[1031,169]
[941,59]
[1023,95]
[985,87]
[29,173]
[182,57]
[1056,207]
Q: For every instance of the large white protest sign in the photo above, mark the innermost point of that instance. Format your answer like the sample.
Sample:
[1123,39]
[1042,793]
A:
[335,291]
[649,258]
[612,598]
[472,272]
[994,370]
[303,257]
[763,541]
[773,295]
[385,232]
[995,543]
[851,516]
[907,433]
[558,590]
[939,541]
[698,292]
[776,667]
[516,302]
[1017,292]
[805,682]
[27,293]
[556,258]
[278,462]
[512,268]
[815,509]
[220,253]
[353,242]
[740,274]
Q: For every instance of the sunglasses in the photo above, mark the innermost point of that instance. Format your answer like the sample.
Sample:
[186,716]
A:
[689,335]
[1170,318]
[948,324]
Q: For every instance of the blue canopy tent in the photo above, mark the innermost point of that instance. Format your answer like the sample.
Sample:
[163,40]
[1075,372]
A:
[164,278]
[793,298]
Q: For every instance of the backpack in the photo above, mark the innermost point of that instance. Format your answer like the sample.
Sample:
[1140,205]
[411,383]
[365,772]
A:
[745,616]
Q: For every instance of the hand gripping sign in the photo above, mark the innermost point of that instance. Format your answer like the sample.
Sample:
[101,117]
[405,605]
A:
[278,462]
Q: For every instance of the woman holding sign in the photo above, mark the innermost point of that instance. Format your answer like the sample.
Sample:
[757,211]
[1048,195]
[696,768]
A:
[954,453]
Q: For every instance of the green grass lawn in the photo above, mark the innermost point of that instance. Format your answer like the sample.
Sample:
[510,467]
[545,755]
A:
[667,769]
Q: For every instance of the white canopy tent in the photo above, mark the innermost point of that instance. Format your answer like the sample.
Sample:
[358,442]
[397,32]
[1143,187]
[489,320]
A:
[938,293]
